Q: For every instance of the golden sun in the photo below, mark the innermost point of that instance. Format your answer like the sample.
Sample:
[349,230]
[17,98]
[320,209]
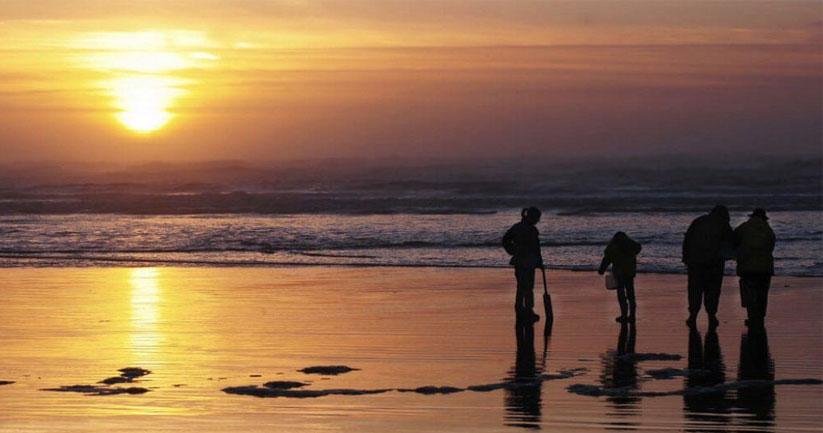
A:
[144,102]
[142,67]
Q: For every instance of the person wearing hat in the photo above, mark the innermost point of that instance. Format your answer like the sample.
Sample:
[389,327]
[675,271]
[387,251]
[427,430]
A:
[754,240]
[705,250]
[522,242]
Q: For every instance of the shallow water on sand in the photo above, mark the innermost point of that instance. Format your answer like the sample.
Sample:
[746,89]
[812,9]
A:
[200,330]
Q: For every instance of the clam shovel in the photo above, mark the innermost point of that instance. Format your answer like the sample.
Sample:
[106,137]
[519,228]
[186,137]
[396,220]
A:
[547,300]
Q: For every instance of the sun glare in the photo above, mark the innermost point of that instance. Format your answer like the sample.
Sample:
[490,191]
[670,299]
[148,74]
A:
[144,101]
[145,68]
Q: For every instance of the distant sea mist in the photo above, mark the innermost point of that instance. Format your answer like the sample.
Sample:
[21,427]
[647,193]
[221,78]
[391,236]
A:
[574,186]
[390,213]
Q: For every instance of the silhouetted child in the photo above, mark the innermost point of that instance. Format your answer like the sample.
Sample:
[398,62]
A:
[621,253]
[522,241]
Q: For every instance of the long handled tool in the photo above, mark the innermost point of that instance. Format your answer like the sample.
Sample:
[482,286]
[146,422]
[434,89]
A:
[547,301]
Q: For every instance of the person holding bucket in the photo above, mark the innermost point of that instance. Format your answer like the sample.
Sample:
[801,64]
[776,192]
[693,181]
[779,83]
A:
[621,253]
[522,242]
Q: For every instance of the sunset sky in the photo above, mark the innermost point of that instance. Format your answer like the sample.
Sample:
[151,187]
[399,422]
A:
[262,80]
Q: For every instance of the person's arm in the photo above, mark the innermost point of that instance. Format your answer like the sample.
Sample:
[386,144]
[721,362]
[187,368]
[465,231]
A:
[772,240]
[636,247]
[604,264]
[686,239]
[508,239]
[539,251]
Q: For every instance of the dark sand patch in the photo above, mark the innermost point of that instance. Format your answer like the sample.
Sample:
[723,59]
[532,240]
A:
[134,372]
[599,391]
[431,390]
[328,370]
[115,380]
[127,375]
[284,384]
[98,390]
[258,391]
[286,389]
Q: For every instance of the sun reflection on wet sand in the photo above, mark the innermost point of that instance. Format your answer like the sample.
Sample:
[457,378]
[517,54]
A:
[145,314]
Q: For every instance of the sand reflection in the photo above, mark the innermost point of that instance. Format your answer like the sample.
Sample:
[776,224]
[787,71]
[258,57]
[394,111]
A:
[146,295]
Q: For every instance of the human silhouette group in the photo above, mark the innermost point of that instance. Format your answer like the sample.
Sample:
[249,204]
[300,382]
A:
[709,242]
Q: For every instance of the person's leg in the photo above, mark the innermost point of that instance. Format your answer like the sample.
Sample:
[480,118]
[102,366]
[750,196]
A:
[528,296]
[621,300]
[519,297]
[749,292]
[767,283]
[524,300]
[744,295]
[711,295]
[695,293]
[630,298]
[759,286]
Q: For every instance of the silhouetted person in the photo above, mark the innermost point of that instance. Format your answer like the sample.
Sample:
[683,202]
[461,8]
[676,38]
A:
[756,364]
[621,253]
[708,240]
[522,241]
[620,371]
[523,403]
[706,369]
[754,240]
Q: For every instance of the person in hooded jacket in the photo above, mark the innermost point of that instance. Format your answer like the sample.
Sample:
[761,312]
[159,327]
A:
[522,241]
[707,245]
[621,253]
[754,240]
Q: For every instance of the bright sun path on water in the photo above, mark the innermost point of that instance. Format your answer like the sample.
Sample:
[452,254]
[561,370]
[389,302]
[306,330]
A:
[142,64]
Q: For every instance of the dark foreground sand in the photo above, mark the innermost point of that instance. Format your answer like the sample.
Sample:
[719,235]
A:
[427,350]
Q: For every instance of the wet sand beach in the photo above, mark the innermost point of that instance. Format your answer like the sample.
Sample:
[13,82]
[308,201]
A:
[429,350]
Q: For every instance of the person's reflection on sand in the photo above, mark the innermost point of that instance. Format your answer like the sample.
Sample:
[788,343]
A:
[756,364]
[620,371]
[706,368]
[523,403]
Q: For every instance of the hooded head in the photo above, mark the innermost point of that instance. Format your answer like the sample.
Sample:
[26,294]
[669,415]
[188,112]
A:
[721,212]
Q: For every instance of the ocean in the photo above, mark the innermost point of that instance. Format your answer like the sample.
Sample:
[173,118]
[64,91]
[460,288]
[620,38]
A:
[435,215]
